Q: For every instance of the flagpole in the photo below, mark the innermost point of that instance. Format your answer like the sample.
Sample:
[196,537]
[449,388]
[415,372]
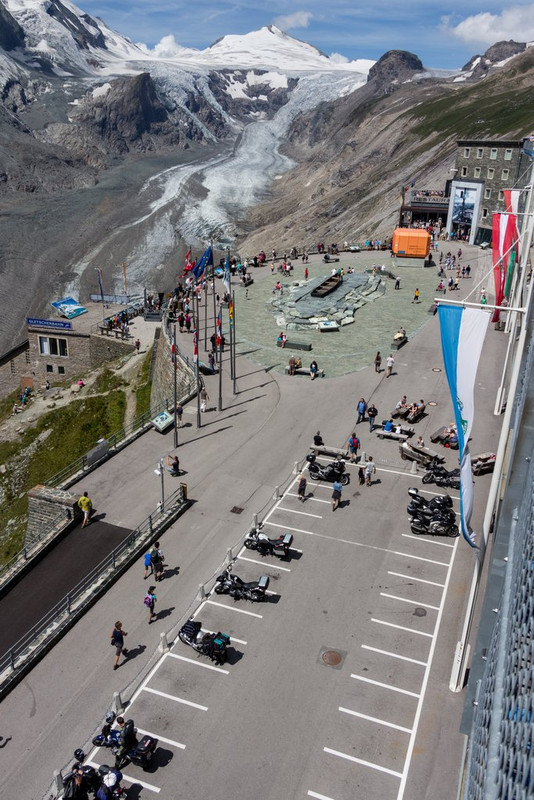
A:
[230,321]
[205,316]
[175,387]
[235,337]
[197,371]
[220,363]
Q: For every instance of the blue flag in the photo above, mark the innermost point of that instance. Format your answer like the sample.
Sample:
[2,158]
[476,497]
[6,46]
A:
[226,279]
[203,262]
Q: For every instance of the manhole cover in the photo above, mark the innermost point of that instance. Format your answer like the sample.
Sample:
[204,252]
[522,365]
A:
[436,369]
[419,612]
[332,658]
[236,510]
[432,403]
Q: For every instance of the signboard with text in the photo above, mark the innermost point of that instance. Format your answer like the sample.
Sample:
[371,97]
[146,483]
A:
[36,322]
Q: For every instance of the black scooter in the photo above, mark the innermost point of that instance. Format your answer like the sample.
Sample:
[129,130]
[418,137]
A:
[274,547]
[335,471]
[226,583]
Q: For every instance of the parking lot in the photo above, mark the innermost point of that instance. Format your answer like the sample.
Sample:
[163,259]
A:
[327,679]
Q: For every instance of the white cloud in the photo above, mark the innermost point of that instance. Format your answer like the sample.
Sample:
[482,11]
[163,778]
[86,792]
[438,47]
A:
[167,47]
[300,19]
[515,22]
[337,58]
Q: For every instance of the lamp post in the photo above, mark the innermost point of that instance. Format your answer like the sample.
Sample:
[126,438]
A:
[160,472]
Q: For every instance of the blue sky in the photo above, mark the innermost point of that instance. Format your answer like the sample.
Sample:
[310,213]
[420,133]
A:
[350,28]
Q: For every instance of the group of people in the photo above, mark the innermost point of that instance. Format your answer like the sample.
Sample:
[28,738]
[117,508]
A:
[295,363]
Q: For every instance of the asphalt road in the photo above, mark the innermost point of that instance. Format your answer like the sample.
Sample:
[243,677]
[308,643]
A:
[276,721]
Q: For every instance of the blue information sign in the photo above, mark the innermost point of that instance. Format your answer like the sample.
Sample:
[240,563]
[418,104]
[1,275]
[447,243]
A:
[35,322]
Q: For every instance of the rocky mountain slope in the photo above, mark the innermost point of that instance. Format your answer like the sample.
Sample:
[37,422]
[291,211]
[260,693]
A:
[110,153]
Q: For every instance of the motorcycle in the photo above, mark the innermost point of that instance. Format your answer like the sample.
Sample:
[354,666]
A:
[274,547]
[335,471]
[435,516]
[439,503]
[110,787]
[435,527]
[442,477]
[226,583]
[139,753]
[213,645]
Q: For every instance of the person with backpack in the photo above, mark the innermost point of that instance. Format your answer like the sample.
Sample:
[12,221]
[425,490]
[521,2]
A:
[361,408]
[150,603]
[117,641]
[148,565]
[354,446]
[156,559]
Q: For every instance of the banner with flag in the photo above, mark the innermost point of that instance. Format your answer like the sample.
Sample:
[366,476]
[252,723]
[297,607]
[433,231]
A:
[511,204]
[231,312]
[205,260]
[100,284]
[505,246]
[462,337]
[219,321]
[227,277]
[195,345]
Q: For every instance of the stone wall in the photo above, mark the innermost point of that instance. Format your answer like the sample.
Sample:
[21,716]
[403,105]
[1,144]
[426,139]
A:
[15,369]
[106,348]
[47,506]
[163,375]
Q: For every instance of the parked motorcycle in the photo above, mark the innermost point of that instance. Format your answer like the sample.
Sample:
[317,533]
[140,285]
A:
[274,547]
[435,516]
[139,753]
[110,787]
[335,471]
[435,527]
[440,502]
[227,583]
[213,645]
[442,477]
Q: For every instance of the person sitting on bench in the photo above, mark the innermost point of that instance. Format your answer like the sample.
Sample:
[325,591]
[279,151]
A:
[318,439]
[388,427]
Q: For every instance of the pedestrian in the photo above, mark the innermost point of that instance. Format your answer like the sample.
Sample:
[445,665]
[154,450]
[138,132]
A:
[372,413]
[156,559]
[137,345]
[181,320]
[336,494]
[148,566]
[397,282]
[354,446]
[370,470]
[150,603]
[389,364]
[306,273]
[416,296]
[173,465]
[222,342]
[117,641]
[180,414]
[204,397]
[361,475]
[420,441]
[292,364]
[86,506]
[188,321]
[378,362]
[301,491]
[361,408]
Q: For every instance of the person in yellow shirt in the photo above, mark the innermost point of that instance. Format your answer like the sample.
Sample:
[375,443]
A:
[86,505]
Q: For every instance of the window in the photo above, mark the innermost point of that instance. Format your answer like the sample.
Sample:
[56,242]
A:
[508,154]
[49,368]
[61,370]
[464,172]
[491,173]
[493,153]
[501,196]
[484,213]
[505,174]
[50,346]
[487,194]
[480,152]
[477,172]
[467,152]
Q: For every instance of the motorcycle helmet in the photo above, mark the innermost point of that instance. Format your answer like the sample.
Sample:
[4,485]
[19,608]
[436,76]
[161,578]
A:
[79,755]
[110,780]
[110,717]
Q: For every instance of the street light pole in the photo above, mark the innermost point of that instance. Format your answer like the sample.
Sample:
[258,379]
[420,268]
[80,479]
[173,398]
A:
[160,471]
[175,387]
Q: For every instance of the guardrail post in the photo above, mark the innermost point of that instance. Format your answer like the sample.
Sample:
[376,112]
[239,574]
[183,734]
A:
[201,592]
[413,469]
[150,528]
[276,493]
[68,604]
[58,781]
[363,457]
[296,468]
[163,646]
[25,554]
[116,703]
[229,556]
[84,463]
[254,520]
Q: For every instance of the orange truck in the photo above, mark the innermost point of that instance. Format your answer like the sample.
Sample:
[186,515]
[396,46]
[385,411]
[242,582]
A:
[411,243]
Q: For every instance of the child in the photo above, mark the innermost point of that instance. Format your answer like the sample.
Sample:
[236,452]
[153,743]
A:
[150,602]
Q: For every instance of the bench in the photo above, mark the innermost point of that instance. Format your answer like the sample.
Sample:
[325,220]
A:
[441,436]
[416,415]
[119,334]
[330,260]
[414,452]
[248,281]
[483,462]
[294,345]
[401,437]
[306,372]
[324,450]
[406,429]
[398,343]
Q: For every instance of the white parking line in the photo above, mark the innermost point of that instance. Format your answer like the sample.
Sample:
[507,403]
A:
[362,762]
[407,600]
[161,738]
[198,663]
[393,655]
[384,685]
[375,719]
[127,778]
[437,494]
[302,513]
[234,608]
[318,796]
[263,563]
[176,699]
[309,498]
[402,628]
[419,580]
[234,639]
[427,541]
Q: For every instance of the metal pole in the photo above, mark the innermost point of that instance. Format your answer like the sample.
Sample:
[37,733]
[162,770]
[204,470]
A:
[234,341]
[219,405]
[197,370]
[175,386]
[205,316]
[229,289]
[162,471]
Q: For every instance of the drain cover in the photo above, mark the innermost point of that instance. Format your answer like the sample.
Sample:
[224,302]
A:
[332,658]
[436,369]
[236,510]
[432,403]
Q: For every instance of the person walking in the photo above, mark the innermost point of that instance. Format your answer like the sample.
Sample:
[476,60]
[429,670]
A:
[354,446]
[86,506]
[306,273]
[156,559]
[372,413]
[378,362]
[301,491]
[397,282]
[148,565]
[370,470]
[416,296]
[204,397]
[150,603]
[336,494]
[179,415]
[361,408]
[389,364]
[117,640]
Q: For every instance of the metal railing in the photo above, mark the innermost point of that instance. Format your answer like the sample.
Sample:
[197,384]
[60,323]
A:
[52,626]
[38,541]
